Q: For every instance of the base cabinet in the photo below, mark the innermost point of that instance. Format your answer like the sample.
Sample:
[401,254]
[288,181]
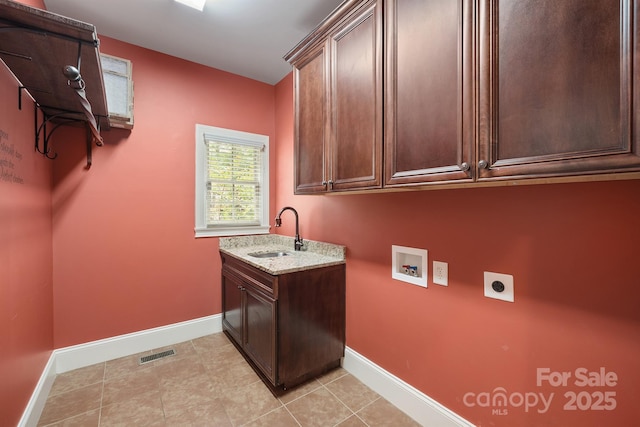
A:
[290,327]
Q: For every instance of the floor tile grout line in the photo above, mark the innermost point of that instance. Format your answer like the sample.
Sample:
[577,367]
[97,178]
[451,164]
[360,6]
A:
[161,394]
[339,400]
[366,406]
[104,376]
[302,395]
[293,416]
[267,413]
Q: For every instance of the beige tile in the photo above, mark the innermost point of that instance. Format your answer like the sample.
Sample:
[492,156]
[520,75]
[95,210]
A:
[144,410]
[332,375]
[181,394]
[352,392]
[78,378]
[211,343]
[88,419]
[222,356]
[319,408]
[248,402]
[125,365]
[204,415]
[181,350]
[299,391]
[130,386]
[233,374]
[208,382]
[279,417]
[381,413]
[179,369]
[71,403]
[352,421]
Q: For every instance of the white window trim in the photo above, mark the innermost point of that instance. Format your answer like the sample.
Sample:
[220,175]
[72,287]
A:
[201,229]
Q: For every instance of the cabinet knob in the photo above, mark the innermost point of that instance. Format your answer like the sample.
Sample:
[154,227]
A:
[482,164]
[324,183]
[465,166]
[331,184]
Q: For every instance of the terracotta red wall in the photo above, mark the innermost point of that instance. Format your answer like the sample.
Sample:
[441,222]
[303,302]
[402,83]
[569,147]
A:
[125,256]
[26,333]
[573,252]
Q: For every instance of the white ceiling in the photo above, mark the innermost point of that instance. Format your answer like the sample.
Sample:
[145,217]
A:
[244,37]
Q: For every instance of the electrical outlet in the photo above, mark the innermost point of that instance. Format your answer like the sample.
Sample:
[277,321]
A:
[498,286]
[440,273]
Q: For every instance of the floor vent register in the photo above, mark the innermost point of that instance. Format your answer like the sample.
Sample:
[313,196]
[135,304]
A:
[156,356]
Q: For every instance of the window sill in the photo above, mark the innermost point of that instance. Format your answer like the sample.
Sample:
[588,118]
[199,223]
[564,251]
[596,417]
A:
[231,231]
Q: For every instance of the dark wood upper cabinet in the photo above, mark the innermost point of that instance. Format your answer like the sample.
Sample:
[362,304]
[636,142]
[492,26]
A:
[428,87]
[474,91]
[311,121]
[338,102]
[556,82]
[356,102]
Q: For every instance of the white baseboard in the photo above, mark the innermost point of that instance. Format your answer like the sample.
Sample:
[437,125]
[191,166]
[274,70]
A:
[405,397]
[413,402]
[79,356]
[34,408]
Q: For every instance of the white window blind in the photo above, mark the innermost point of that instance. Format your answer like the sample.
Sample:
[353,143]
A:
[232,182]
[118,85]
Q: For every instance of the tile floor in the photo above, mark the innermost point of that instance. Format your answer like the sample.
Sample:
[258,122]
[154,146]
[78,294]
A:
[208,383]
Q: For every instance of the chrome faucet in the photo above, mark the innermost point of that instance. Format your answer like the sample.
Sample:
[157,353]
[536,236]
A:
[297,244]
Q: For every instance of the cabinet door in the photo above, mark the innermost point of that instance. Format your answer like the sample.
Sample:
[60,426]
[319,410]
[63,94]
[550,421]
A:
[428,91]
[260,331]
[311,123]
[557,87]
[232,306]
[356,102]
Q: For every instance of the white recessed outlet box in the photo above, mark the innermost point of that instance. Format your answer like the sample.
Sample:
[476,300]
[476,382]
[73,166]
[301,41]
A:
[498,286]
[409,265]
[440,273]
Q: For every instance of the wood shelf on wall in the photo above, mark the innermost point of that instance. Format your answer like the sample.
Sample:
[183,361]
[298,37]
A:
[36,46]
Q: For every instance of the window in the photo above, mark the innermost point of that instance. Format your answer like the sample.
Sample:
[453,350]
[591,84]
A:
[118,86]
[232,182]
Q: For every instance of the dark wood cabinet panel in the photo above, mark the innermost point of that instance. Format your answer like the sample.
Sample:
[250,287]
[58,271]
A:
[556,88]
[232,301]
[356,102]
[313,326]
[289,327]
[311,135]
[428,91]
[260,331]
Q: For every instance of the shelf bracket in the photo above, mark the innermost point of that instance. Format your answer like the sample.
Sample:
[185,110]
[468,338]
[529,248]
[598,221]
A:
[20,89]
[43,134]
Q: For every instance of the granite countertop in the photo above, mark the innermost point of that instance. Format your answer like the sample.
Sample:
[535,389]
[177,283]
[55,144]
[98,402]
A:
[314,255]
